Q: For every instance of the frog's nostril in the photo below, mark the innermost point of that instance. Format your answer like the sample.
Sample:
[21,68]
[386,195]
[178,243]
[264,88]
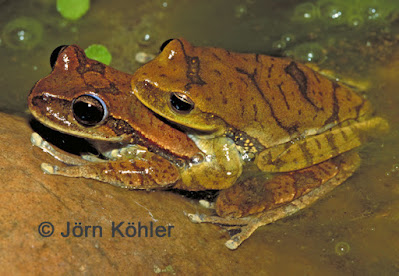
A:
[147,84]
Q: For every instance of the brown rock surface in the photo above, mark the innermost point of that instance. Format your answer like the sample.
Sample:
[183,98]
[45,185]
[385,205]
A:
[300,245]
[30,197]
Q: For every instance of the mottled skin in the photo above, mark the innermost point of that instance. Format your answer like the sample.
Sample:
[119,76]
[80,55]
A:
[253,115]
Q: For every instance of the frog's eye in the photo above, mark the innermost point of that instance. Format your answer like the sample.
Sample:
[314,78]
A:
[164,44]
[55,53]
[89,110]
[180,103]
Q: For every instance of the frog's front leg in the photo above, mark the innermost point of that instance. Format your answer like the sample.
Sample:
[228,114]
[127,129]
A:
[253,203]
[153,173]
[39,142]
[130,168]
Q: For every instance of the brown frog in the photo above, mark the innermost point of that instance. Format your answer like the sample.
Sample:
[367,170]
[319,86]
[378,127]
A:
[271,134]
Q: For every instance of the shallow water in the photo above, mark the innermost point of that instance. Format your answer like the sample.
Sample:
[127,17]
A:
[355,229]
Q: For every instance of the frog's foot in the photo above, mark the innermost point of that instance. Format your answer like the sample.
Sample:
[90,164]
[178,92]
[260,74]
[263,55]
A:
[244,227]
[247,209]
[39,142]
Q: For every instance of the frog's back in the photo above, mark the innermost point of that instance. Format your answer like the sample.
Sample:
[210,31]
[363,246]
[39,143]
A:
[272,99]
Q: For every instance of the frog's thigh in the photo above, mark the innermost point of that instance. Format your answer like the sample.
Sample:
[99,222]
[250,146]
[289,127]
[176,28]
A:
[254,195]
[131,174]
[340,167]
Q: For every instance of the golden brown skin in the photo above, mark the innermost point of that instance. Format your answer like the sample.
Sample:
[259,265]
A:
[272,100]
[200,118]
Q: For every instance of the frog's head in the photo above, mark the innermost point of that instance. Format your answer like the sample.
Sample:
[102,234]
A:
[88,99]
[184,84]
[77,97]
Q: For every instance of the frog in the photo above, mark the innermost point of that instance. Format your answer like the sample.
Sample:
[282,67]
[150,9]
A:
[269,134]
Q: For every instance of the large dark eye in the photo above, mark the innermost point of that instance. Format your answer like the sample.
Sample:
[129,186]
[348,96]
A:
[180,103]
[165,43]
[89,110]
[55,53]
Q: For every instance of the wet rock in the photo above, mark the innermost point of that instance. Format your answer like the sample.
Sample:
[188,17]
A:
[30,197]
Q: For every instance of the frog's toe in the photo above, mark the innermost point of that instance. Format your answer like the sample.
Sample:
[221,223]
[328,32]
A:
[241,225]
[244,233]
[39,142]
[196,218]
[49,169]
[207,204]
[36,139]
[232,244]
[116,153]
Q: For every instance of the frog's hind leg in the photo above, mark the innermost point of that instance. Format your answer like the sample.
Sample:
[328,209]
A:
[251,204]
